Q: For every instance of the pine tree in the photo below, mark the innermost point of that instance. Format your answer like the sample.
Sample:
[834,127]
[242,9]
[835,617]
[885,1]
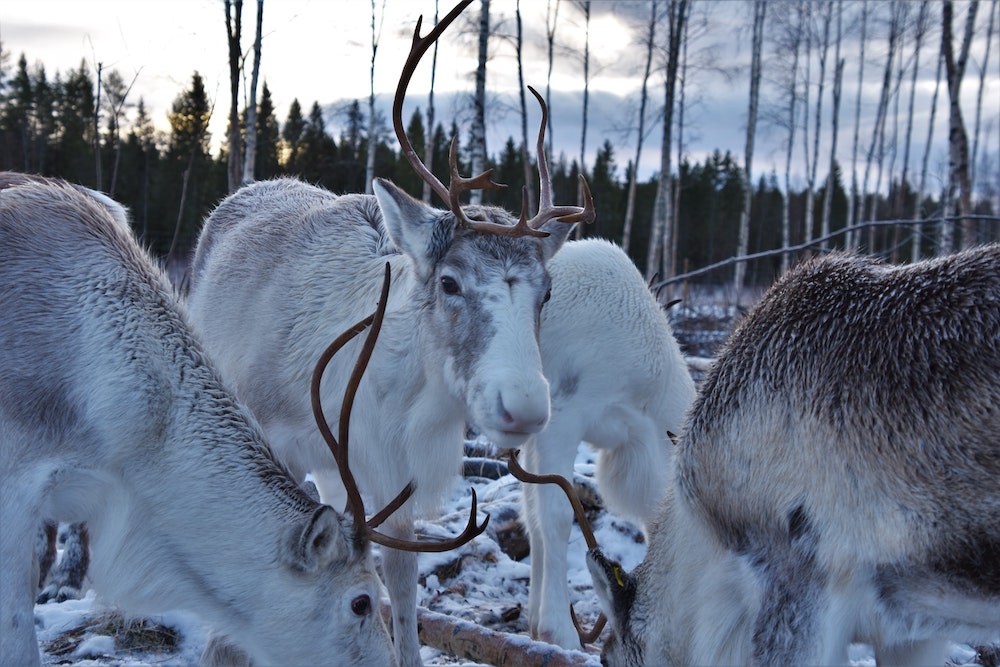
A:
[291,135]
[266,163]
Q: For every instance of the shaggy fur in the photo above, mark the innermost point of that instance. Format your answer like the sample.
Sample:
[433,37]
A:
[110,413]
[838,478]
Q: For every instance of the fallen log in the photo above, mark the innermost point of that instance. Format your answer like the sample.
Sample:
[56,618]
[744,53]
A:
[466,640]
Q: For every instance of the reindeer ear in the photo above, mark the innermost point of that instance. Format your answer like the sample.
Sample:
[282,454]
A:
[317,542]
[615,587]
[558,233]
[417,229]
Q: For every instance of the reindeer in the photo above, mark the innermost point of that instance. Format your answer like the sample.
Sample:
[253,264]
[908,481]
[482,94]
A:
[837,480]
[620,383]
[111,413]
[281,266]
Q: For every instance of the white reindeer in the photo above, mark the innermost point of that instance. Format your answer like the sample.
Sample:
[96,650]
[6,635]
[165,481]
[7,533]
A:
[837,480]
[282,267]
[110,413]
[619,382]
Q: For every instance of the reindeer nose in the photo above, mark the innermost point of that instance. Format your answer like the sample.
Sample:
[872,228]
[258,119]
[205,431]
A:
[524,413]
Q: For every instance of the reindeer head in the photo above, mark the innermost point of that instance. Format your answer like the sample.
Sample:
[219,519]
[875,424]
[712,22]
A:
[482,280]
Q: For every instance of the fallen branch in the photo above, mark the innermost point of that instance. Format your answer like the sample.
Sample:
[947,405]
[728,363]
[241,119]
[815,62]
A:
[466,640]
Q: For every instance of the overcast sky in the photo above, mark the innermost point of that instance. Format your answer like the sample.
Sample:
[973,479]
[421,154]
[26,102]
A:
[320,50]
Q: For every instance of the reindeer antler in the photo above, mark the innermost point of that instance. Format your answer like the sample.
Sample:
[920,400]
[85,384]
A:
[546,211]
[581,518]
[339,449]
[458,183]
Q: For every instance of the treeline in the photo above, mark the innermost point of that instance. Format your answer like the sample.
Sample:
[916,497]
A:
[71,127]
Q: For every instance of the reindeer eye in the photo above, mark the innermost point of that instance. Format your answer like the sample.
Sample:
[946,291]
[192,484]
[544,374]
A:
[548,295]
[449,285]
[361,605]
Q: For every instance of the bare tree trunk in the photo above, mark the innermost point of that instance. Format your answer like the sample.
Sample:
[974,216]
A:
[838,77]
[657,257]
[793,97]
[806,91]
[852,237]
[525,157]
[918,212]
[742,242]
[838,80]
[811,181]
[372,131]
[429,133]
[585,7]
[250,159]
[97,131]
[479,114]
[958,140]
[979,96]
[633,177]
[675,210]
[868,212]
[551,18]
[920,29]
[893,144]
[234,29]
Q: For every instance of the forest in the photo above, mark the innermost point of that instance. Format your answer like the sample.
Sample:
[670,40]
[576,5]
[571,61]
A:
[89,126]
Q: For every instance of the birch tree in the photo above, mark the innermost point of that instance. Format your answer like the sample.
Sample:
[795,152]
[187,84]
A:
[551,20]
[372,128]
[234,28]
[585,8]
[852,235]
[838,78]
[919,30]
[793,42]
[478,131]
[529,181]
[250,159]
[918,213]
[643,96]
[660,241]
[429,142]
[878,134]
[811,178]
[958,140]
[742,241]
[983,66]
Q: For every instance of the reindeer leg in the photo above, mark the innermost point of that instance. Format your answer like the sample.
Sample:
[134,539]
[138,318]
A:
[45,550]
[67,580]
[399,572]
[18,583]
[549,518]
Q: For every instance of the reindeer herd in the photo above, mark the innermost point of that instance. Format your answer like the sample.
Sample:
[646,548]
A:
[834,479]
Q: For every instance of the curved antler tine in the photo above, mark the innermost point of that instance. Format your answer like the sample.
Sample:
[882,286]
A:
[418,47]
[546,211]
[588,637]
[379,517]
[531,478]
[317,377]
[544,182]
[353,493]
[437,546]
[459,184]
[581,517]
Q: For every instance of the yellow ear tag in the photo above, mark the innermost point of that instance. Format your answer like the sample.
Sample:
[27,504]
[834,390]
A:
[618,577]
